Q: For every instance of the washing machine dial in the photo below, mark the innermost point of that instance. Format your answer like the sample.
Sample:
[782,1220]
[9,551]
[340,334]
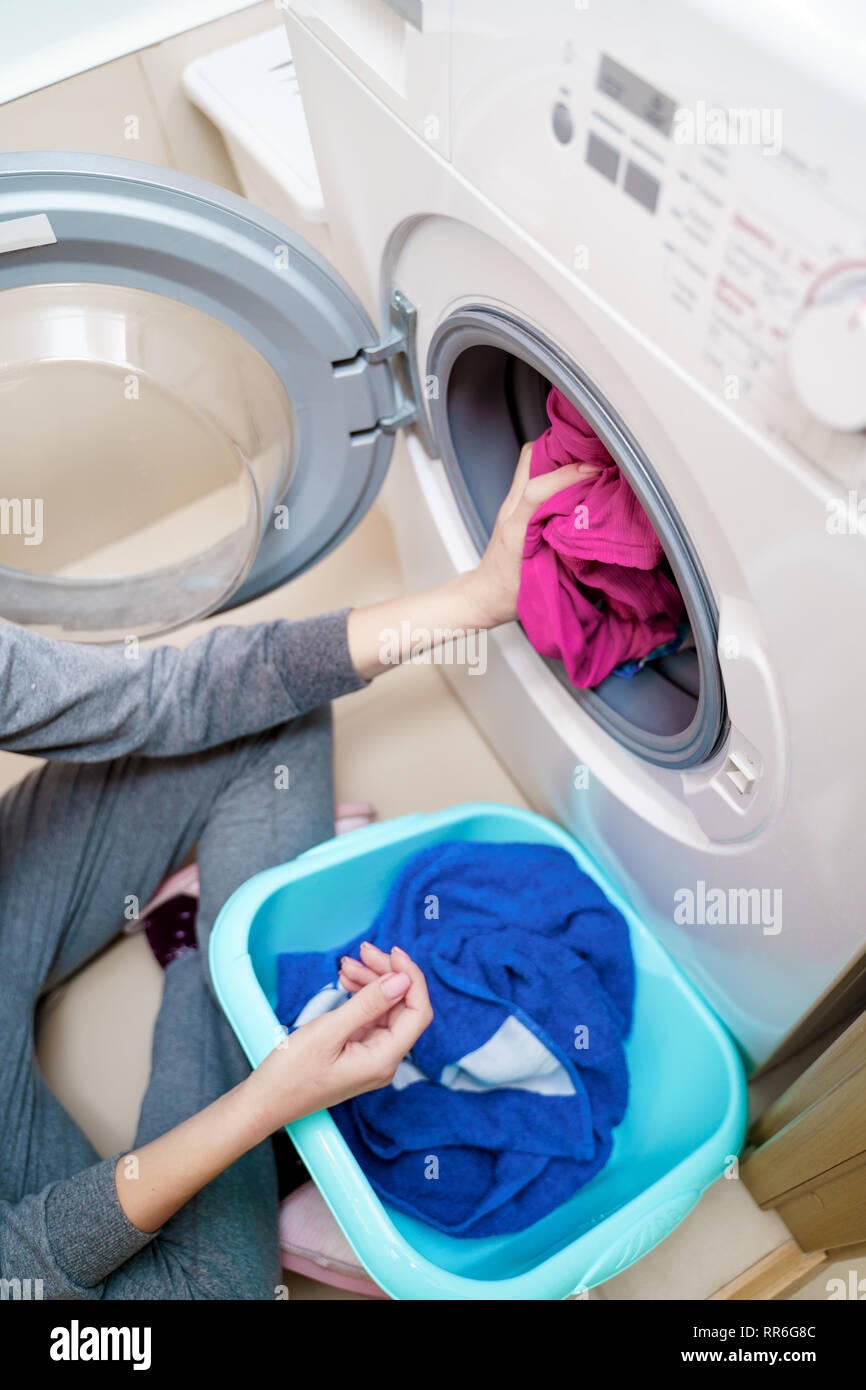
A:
[827,348]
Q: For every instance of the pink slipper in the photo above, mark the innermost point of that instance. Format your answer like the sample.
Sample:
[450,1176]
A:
[352,815]
[312,1244]
[185,882]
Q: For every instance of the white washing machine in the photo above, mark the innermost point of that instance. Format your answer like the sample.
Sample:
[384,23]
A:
[546,185]
[206,406]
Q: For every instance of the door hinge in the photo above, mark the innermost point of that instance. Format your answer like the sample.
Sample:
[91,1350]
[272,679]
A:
[399,348]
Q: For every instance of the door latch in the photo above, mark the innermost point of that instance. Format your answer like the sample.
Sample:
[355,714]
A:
[399,348]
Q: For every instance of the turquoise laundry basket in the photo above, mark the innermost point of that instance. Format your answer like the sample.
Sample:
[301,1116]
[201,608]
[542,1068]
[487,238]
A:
[687,1106]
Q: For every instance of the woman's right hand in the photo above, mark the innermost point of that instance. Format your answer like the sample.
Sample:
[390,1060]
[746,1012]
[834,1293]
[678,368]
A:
[495,584]
[357,1047]
[354,1048]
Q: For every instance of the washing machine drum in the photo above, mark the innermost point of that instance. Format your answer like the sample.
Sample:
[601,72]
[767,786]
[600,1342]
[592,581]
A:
[189,411]
[494,373]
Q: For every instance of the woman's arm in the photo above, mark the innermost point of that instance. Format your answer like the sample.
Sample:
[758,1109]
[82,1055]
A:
[75,1232]
[90,704]
[356,1048]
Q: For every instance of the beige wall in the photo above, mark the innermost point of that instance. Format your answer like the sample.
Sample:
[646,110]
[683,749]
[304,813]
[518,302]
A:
[135,107]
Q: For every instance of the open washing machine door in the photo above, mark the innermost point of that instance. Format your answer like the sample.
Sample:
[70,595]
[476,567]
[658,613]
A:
[195,407]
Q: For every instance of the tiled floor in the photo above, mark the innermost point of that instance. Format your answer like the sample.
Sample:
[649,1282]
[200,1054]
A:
[94,1039]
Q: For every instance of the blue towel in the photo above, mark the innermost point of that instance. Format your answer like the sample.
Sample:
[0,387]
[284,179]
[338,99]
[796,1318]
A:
[506,1104]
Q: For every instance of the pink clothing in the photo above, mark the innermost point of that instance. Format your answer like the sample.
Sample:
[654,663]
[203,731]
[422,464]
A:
[592,591]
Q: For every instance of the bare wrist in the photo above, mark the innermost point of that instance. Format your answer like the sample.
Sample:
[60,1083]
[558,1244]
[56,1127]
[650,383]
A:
[485,608]
[258,1115]
[268,1103]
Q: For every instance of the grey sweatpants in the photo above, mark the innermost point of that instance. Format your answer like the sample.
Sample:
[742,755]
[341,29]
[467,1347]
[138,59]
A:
[77,840]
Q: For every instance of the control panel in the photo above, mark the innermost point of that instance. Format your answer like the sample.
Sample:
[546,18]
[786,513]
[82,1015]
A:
[722,217]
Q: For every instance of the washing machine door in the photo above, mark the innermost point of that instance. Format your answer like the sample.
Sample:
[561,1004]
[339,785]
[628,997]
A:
[194,407]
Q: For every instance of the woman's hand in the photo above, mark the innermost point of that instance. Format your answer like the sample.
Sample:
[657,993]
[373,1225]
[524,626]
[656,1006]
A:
[357,1047]
[494,585]
[480,598]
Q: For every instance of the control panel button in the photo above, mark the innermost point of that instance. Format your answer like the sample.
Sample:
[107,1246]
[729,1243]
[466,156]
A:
[827,349]
[641,185]
[563,124]
[602,156]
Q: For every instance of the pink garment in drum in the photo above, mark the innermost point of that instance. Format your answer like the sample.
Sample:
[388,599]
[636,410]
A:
[592,590]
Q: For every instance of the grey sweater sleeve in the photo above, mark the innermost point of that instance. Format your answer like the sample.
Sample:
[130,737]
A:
[69,1237]
[88,704]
